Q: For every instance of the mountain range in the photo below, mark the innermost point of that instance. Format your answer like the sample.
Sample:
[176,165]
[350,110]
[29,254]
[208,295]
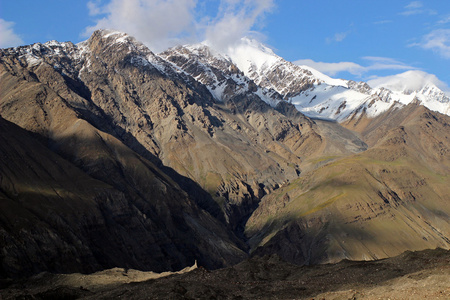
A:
[114,156]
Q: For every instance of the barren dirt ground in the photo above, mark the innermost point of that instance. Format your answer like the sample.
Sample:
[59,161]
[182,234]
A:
[412,275]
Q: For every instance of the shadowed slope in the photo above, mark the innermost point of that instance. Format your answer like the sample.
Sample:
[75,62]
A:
[57,217]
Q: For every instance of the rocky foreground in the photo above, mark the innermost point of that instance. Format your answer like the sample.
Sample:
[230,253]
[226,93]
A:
[412,275]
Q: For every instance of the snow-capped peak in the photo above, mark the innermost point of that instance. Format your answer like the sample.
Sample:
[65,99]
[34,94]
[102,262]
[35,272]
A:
[216,71]
[419,85]
[249,54]
[117,37]
[319,95]
[337,102]
[268,70]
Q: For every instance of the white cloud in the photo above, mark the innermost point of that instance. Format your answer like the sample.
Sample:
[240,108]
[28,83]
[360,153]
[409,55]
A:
[157,23]
[444,20]
[414,5]
[412,8]
[8,38]
[338,37]
[94,8]
[379,59]
[383,22]
[235,20]
[375,63]
[164,23]
[438,40]
[385,63]
[416,8]
[332,69]
[413,80]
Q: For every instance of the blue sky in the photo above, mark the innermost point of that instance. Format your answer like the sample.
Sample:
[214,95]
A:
[351,39]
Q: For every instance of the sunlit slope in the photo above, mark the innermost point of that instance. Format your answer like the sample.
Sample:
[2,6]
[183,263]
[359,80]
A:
[375,204]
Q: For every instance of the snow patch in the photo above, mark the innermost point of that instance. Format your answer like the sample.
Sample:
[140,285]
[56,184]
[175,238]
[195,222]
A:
[33,60]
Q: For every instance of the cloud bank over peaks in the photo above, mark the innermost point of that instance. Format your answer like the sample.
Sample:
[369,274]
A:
[375,63]
[8,38]
[409,81]
[161,24]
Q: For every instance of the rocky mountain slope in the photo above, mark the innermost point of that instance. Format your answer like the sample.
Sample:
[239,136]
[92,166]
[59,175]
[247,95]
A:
[179,161]
[370,205]
[193,154]
[105,207]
